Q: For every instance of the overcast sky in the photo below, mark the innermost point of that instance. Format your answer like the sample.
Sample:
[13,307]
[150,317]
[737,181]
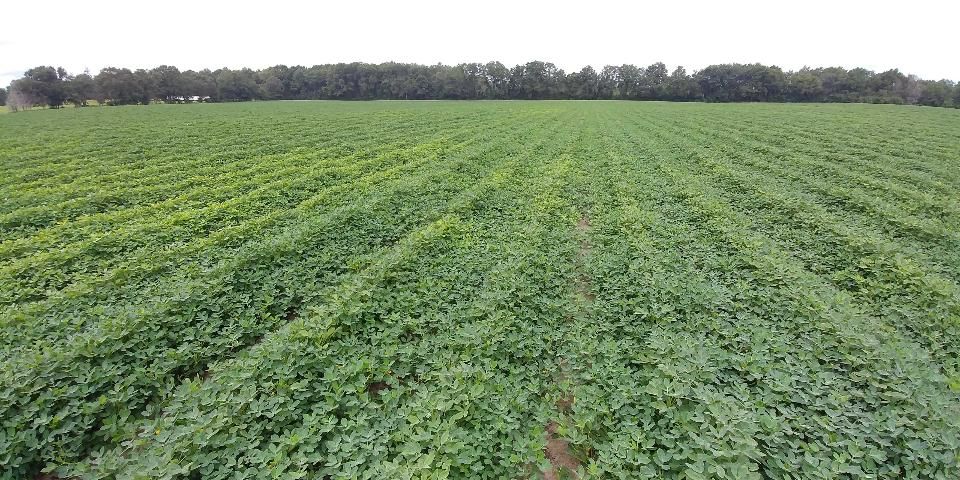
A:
[917,36]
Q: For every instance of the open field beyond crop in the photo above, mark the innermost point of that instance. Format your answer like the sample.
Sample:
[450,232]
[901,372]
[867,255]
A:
[480,290]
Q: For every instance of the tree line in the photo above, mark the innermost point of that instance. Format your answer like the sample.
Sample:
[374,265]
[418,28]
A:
[55,87]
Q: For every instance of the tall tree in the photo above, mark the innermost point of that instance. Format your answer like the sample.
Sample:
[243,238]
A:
[536,80]
[474,80]
[80,89]
[23,96]
[202,85]
[532,80]
[275,82]
[741,83]
[168,83]
[498,79]
[146,86]
[451,82]
[935,94]
[583,85]
[272,88]
[886,87]
[911,90]
[681,86]
[608,81]
[836,82]
[804,86]
[858,81]
[654,81]
[236,85]
[117,86]
[631,84]
[44,85]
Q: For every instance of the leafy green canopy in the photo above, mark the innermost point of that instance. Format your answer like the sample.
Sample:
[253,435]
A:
[534,80]
[423,290]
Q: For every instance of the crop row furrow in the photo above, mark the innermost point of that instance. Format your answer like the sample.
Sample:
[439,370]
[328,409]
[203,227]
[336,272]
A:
[185,177]
[114,218]
[803,156]
[132,280]
[859,150]
[189,140]
[133,356]
[897,283]
[897,286]
[929,235]
[491,279]
[691,312]
[32,278]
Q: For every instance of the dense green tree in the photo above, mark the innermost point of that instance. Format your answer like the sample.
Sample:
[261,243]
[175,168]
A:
[117,86]
[716,83]
[492,80]
[681,86]
[859,79]
[536,80]
[236,85]
[200,85]
[314,81]
[498,80]
[886,87]
[275,82]
[935,94]
[630,86]
[168,83]
[583,85]
[340,81]
[804,86]
[451,83]
[146,86]
[272,88]
[474,80]
[608,81]
[655,81]
[912,89]
[515,88]
[80,89]
[42,86]
[837,84]
[3,97]
[741,83]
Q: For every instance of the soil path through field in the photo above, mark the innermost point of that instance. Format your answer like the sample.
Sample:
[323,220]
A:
[557,450]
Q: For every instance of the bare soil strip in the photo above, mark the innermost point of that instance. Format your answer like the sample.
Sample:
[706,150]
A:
[557,450]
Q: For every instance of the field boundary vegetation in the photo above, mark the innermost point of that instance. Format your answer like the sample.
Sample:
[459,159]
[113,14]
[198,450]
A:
[55,87]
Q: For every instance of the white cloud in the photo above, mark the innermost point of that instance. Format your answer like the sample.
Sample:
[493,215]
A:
[917,37]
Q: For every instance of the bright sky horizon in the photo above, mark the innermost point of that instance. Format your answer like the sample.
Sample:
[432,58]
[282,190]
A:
[918,38]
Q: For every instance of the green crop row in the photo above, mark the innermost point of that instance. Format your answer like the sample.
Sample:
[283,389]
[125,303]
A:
[171,181]
[279,195]
[432,290]
[131,353]
[724,358]
[134,278]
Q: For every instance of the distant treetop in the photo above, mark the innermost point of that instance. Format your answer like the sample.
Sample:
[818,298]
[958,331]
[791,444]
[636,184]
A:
[54,87]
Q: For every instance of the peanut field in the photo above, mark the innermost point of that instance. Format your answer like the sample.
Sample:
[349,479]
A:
[430,290]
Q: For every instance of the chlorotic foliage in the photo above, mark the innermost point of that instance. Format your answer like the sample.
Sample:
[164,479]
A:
[480,290]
